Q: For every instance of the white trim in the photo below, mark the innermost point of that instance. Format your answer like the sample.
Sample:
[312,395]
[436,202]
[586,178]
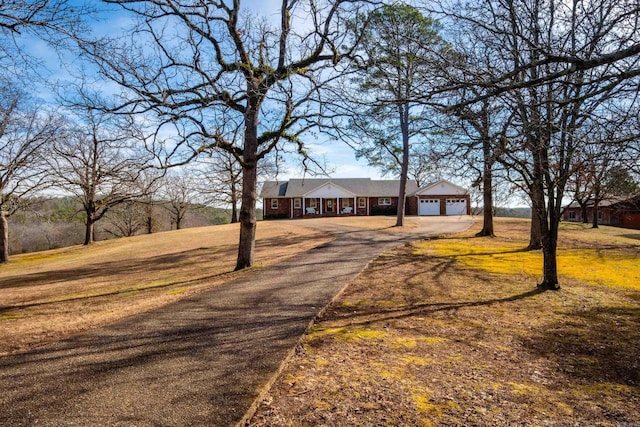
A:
[328,184]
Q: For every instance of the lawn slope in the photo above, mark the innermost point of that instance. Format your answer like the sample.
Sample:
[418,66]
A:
[47,295]
[454,332]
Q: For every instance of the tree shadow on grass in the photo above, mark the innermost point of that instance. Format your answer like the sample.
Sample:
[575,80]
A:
[601,345]
[635,236]
[374,314]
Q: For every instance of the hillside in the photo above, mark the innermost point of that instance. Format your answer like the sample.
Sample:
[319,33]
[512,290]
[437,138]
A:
[51,294]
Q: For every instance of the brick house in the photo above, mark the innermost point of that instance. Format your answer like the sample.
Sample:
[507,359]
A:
[624,212]
[309,198]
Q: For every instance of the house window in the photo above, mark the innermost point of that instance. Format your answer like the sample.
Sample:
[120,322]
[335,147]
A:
[362,202]
[600,215]
[297,203]
[384,201]
[274,203]
[313,203]
[345,203]
[572,215]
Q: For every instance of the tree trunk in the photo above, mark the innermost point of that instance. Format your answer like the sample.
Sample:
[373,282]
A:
[549,252]
[149,220]
[404,169]
[4,237]
[594,212]
[550,266]
[535,238]
[234,204]
[89,230]
[487,190]
[246,246]
[583,212]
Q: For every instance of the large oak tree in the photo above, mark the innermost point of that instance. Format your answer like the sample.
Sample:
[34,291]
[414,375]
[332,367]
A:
[204,67]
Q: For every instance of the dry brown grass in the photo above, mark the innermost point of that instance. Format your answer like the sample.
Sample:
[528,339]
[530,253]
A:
[386,223]
[422,339]
[47,295]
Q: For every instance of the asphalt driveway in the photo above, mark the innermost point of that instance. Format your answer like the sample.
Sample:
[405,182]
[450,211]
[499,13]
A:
[202,360]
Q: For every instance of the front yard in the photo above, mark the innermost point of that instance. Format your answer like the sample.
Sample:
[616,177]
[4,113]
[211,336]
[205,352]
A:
[453,332]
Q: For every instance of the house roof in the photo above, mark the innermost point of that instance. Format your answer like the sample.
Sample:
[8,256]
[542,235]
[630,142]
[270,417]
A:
[605,203]
[442,185]
[356,186]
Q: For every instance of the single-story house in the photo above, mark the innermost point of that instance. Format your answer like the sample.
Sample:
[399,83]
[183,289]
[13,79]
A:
[308,198]
[621,212]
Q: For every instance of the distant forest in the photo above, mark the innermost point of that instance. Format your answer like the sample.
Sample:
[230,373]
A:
[52,223]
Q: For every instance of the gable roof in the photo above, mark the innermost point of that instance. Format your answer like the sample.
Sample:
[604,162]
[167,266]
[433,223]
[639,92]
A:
[612,201]
[355,186]
[442,184]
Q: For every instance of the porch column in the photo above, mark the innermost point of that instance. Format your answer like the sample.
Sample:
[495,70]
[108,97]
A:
[338,205]
[355,206]
[304,210]
[320,205]
[367,206]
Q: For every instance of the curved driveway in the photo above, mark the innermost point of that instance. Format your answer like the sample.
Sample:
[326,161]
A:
[199,361]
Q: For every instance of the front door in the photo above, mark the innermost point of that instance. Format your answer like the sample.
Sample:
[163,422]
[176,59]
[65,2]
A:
[329,206]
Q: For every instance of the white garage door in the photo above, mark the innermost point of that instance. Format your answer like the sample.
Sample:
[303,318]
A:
[429,207]
[456,207]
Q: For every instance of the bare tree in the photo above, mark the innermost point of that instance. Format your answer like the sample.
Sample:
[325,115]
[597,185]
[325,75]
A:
[180,194]
[200,66]
[25,135]
[98,161]
[220,178]
[126,219]
[533,41]
[17,16]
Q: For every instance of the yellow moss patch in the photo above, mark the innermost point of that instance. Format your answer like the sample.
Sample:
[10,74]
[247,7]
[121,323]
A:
[421,397]
[177,291]
[595,267]
[606,389]
[520,389]
[389,372]
[10,316]
[322,362]
[415,360]
[347,334]
[404,342]
[433,340]
[612,269]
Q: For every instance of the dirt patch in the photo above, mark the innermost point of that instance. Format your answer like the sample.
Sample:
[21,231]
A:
[49,295]
[422,339]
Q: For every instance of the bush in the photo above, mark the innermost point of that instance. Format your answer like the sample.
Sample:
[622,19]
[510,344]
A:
[384,210]
[276,216]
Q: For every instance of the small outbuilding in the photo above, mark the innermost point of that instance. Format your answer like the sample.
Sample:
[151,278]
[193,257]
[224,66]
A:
[622,212]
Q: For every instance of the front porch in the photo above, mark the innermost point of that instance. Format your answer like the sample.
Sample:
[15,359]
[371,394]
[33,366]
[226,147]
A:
[315,207]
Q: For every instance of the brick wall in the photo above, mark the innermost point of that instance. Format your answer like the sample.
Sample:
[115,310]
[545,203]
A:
[282,211]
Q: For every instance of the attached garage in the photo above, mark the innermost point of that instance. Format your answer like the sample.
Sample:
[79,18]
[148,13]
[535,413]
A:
[429,207]
[441,198]
[456,207]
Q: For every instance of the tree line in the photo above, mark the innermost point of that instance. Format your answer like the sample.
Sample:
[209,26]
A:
[539,94]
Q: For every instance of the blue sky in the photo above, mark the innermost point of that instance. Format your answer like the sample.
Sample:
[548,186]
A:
[339,158]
